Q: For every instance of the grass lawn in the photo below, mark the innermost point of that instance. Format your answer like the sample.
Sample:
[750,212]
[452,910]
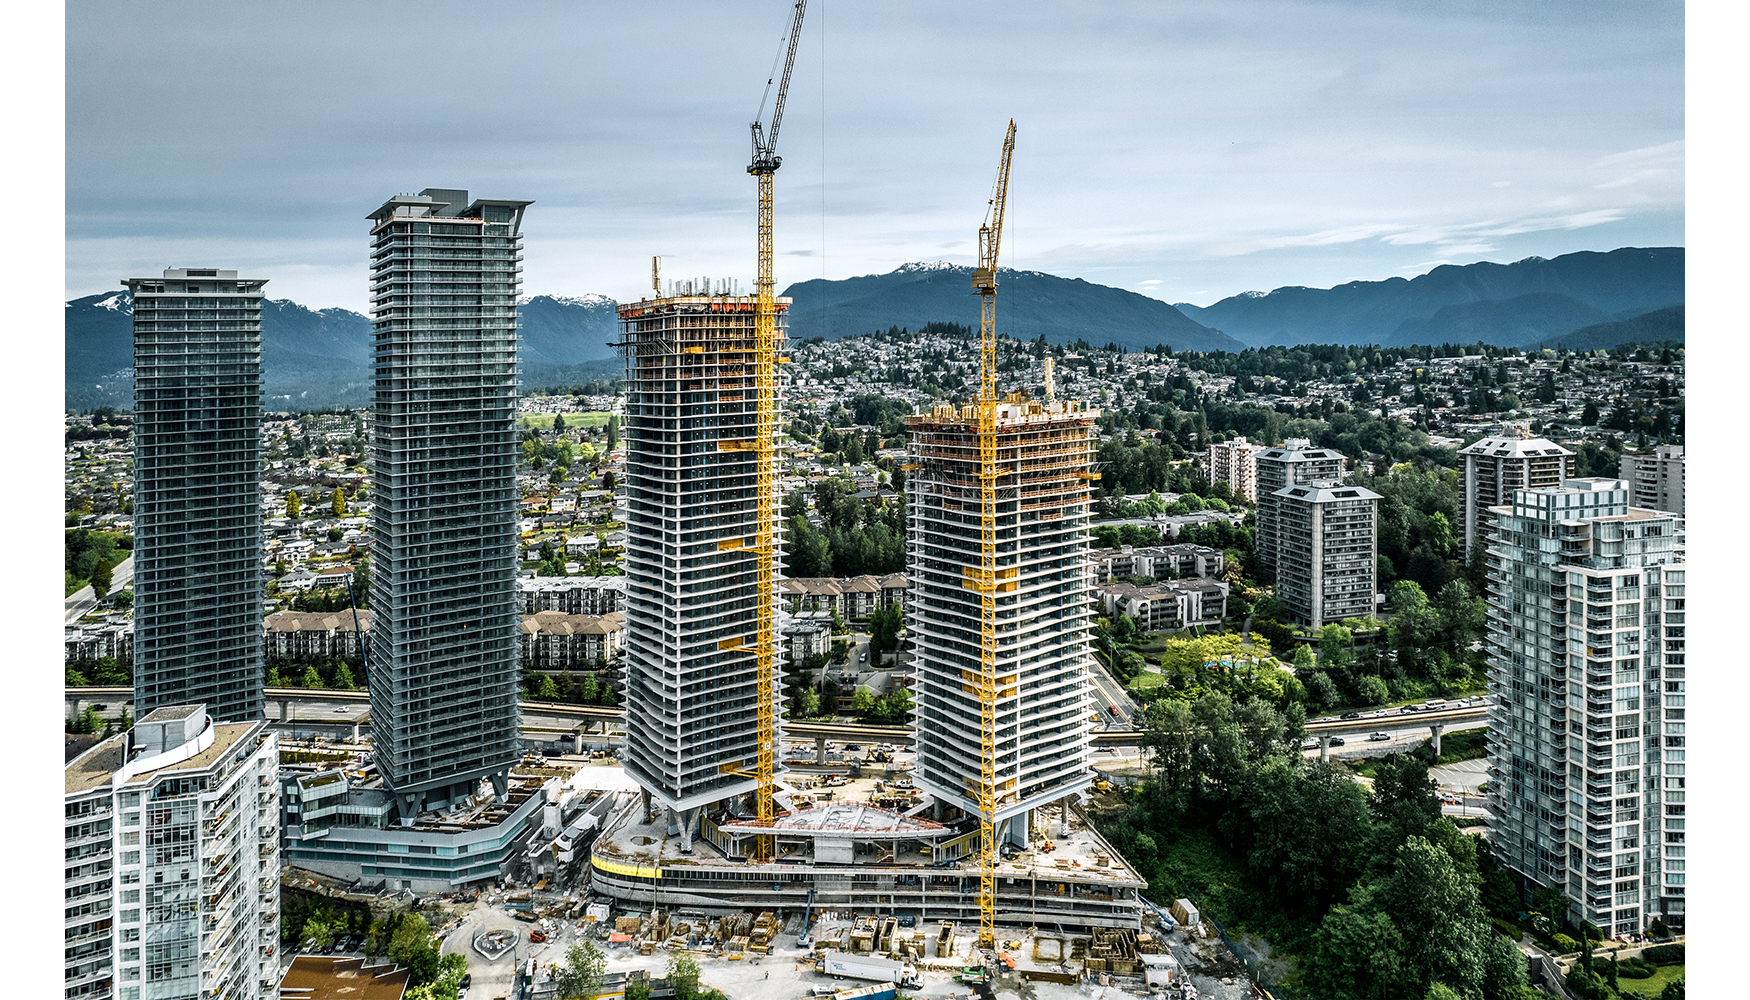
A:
[1650,987]
[544,421]
[1148,680]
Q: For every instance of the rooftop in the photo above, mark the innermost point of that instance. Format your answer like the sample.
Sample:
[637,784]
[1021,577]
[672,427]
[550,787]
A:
[1083,855]
[97,766]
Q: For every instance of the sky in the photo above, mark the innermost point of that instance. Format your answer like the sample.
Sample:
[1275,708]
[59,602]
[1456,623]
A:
[1187,150]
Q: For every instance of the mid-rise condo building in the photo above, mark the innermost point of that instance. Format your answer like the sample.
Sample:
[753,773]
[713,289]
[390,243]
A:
[172,881]
[1587,671]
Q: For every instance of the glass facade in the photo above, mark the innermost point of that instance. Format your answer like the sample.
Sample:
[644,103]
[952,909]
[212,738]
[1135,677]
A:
[197,493]
[444,651]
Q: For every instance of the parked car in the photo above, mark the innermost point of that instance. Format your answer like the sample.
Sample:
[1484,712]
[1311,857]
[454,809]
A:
[1378,737]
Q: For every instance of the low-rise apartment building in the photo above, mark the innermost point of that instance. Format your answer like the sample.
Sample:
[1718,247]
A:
[1168,605]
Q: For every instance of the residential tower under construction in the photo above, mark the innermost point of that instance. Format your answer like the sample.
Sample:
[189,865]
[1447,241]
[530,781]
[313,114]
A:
[1044,457]
[693,543]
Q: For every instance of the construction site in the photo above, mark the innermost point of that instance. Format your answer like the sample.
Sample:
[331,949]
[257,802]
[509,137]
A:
[985,835]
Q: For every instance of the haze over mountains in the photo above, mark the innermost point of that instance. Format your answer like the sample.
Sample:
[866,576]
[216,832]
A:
[1585,301]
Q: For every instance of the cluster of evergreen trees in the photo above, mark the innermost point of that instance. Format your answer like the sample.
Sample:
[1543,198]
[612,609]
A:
[857,536]
[1378,894]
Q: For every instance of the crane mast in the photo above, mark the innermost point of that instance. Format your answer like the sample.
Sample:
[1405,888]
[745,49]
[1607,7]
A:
[765,164]
[984,283]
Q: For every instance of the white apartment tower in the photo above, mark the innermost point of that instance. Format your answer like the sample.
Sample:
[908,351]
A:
[1498,465]
[1327,551]
[1296,463]
[1656,479]
[691,489]
[1586,664]
[1235,463]
[1043,501]
[172,875]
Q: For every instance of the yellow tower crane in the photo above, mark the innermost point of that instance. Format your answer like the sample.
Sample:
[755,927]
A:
[984,282]
[765,163]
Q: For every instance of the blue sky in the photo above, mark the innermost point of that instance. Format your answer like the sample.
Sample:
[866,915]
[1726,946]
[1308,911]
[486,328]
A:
[1188,151]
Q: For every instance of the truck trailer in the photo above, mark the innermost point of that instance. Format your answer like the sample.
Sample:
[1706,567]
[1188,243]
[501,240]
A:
[872,967]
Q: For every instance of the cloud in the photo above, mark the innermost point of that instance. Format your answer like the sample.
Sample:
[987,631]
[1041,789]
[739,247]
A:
[1664,155]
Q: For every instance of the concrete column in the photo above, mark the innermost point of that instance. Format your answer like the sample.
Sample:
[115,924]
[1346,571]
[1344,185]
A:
[75,705]
[674,822]
[355,730]
[819,749]
[644,798]
[500,785]
[1436,729]
[409,802]
[285,709]
[1063,821]
[688,818]
[1324,748]
[577,741]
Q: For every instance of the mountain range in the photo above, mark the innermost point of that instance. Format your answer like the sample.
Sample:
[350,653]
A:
[313,358]
[322,357]
[1029,304]
[1509,305]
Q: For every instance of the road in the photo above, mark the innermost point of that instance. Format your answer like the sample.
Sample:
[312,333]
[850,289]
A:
[83,601]
[1405,735]
[1109,693]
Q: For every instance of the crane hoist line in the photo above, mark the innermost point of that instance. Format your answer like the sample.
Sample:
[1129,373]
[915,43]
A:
[985,577]
[766,346]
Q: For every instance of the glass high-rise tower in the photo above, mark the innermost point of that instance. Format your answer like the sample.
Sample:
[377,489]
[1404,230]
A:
[197,492]
[444,651]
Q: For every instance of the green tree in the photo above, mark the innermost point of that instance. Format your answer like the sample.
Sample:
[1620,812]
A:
[343,679]
[101,578]
[110,673]
[410,945]
[638,989]
[590,689]
[1336,646]
[558,422]
[548,689]
[582,971]
[613,434]
[294,505]
[312,678]
[863,700]
[809,703]
[75,679]
[683,975]
[1371,689]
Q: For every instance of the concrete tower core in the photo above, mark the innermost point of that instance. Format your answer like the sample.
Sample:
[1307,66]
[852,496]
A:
[1045,451]
[691,489]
